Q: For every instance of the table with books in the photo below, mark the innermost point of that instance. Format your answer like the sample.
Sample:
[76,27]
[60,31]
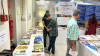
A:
[88,45]
[31,44]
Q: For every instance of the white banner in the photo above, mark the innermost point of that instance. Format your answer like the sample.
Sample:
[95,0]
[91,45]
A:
[64,11]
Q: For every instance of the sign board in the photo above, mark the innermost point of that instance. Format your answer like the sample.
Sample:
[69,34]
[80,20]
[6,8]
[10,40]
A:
[64,11]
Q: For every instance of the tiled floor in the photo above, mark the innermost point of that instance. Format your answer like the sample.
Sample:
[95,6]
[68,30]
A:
[60,50]
[60,47]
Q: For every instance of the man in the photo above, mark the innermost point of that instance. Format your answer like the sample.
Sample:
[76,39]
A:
[53,33]
[45,24]
[72,32]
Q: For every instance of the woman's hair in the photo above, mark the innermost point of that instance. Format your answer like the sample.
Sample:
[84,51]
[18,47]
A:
[93,18]
[47,11]
[47,15]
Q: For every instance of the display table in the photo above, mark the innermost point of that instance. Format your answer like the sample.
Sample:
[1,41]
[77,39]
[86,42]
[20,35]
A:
[86,51]
[30,45]
[89,37]
[88,45]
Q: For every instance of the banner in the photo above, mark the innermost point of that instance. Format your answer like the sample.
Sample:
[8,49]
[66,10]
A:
[87,11]
[64,11]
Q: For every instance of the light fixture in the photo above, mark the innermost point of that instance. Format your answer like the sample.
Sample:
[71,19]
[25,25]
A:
[47,1]
[40,2]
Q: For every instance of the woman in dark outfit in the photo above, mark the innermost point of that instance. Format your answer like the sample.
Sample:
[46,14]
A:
[45,32]
[92,25]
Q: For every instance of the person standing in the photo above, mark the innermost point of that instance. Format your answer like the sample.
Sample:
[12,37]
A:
[45,24]
[72,32]
[92,25]
[53,32]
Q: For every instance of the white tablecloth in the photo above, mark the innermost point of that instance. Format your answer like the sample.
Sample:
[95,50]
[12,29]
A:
[82,32]
[85,50]
[98,32]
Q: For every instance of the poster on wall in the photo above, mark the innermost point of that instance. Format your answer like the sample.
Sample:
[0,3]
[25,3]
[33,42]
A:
[82,9]
[97,11]
[64,11]
[87,11]
[3,37]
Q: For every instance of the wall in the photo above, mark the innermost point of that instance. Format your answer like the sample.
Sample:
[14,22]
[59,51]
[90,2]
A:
[15,7]
[22,21]
[29,15]
[26,15]
[23,16]
[18,21]
[33,12]
[11,10]
[5,25]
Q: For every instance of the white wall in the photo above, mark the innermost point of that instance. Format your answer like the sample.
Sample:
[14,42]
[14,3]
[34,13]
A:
[11,10]
[14,7]
[27,16]
[18,21]
[29,21]
[5,25]
[23,4]
[21,22]
[33,11]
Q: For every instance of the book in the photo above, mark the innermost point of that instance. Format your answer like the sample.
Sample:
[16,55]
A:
[39,38]
[38,42]
[37,54]
[21,52]
[27,36]
[25,40]
[38,45]
[22,47]
[38,48]
[24,43]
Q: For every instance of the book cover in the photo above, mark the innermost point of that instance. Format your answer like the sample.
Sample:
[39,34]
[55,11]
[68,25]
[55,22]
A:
[22,47]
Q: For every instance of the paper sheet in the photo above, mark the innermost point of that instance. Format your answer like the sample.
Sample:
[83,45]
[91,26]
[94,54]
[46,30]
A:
[73,53]
[3,36]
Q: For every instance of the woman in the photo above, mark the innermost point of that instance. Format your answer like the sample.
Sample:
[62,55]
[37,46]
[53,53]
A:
[92,25]
[53,32]
[45,32]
